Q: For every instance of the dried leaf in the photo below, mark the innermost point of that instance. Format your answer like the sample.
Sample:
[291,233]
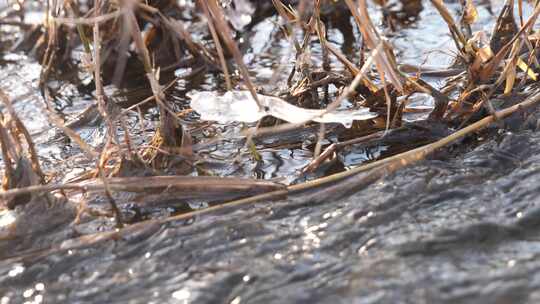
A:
[525,68]
[485,53]
[510,78]
[470,15]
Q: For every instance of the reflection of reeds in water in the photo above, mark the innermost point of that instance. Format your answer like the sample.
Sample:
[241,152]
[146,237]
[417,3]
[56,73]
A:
[128,40]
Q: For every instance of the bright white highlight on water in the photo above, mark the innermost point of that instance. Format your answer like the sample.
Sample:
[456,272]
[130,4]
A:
[28,293]
[16,270]
[182,295]
[7,218]
[38,299]
[40,287]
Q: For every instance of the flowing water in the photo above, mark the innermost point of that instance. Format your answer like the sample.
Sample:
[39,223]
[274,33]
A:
[460,227]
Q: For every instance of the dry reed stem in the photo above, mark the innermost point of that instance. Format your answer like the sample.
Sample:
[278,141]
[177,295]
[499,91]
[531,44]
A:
[73,136]
[90,21]
[219,48]
[29,142]
[168,121]
[331,107]
[387,165]
[380,168]
[226,33]
[196,49]
[185,186]
[456,33]
[356,80]
[494,63]
[385,61]
[377,169]
[100,95]
[50,52]
[6,157]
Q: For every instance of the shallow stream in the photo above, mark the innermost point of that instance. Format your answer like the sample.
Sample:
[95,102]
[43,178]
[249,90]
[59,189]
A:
[460,227]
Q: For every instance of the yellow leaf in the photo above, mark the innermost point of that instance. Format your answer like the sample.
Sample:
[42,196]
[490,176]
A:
[485,53]
[470,14]
[525,68]
[510,79]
